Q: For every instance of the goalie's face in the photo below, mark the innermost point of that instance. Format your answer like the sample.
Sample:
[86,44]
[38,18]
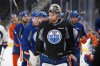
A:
[53,17]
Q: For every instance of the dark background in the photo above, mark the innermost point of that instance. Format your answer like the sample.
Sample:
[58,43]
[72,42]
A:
[5,6]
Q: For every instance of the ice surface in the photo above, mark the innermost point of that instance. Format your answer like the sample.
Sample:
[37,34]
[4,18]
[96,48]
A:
[8,56]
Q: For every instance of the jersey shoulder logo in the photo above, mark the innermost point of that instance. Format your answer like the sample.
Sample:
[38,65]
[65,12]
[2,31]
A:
[54,36]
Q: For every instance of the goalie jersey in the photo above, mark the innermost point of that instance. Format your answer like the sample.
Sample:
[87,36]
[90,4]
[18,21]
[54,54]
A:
[55,40]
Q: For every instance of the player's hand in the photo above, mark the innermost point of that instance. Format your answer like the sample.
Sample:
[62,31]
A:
[71,56]
[26,55]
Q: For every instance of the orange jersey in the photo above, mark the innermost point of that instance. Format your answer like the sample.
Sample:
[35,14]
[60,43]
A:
[11,28]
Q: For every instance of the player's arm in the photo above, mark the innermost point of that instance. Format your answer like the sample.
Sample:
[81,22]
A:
[24,40]
[11,31]
[25,43]
[16,35]
[39,41]
[70,40]
[70,43]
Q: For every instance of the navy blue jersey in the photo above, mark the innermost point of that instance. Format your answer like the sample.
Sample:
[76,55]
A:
[29,38]
[78,33]
[18,33]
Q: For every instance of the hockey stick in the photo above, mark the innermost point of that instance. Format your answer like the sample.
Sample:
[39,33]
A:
[20,47]
[2,56]
[66,18]
[67,14]
[16,5]
[29,63]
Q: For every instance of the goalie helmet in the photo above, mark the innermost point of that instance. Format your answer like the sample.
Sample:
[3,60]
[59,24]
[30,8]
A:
[55,8]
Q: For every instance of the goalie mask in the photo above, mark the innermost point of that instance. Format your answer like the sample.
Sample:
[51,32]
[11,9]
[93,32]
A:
[55,8]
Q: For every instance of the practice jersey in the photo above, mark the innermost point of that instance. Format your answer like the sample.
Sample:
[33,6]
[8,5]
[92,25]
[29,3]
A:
[29,38]
[55,40]
[78,30]
[11,29]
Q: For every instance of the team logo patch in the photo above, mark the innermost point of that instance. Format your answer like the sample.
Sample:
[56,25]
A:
[54,36]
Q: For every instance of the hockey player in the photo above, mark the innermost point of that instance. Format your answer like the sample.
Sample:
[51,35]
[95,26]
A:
[43,16]
[17,36]
[54,40]
[79,36]
[29,38]
[14,20]
[3,38]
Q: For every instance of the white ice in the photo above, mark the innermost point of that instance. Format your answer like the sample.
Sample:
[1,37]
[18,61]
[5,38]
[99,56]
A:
[8,57]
